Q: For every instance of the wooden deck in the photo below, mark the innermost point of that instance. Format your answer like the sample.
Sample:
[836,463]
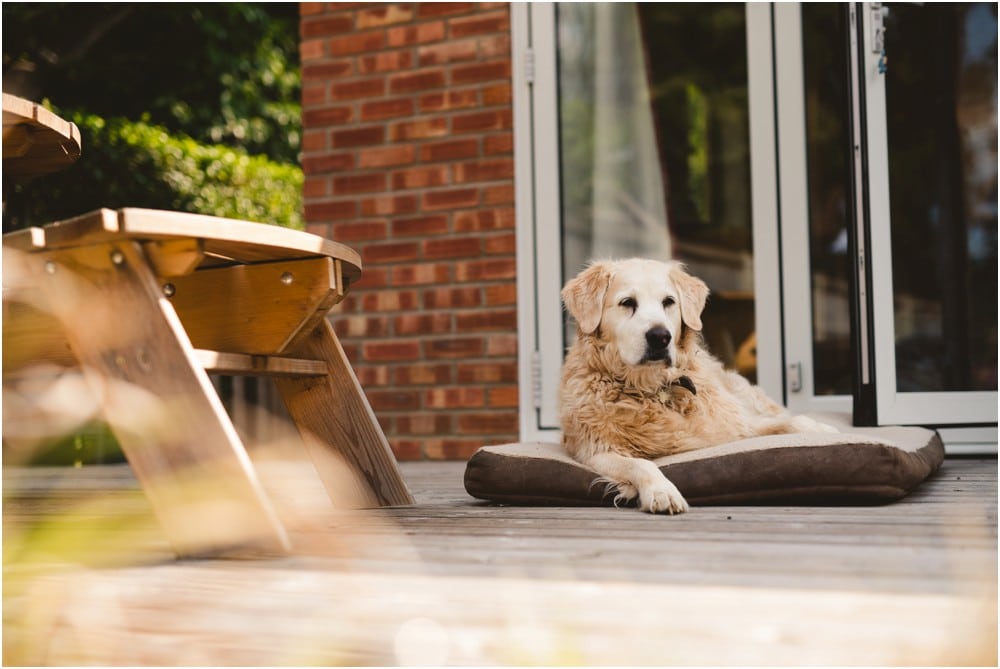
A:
[89,579]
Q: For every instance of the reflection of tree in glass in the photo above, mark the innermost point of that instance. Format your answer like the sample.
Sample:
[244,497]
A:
[697,68]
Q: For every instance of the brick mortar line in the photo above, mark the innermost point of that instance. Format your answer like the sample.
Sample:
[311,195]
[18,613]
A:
[410,95]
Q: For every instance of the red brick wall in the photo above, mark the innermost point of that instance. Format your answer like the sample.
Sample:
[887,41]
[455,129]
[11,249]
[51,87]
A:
[408,158]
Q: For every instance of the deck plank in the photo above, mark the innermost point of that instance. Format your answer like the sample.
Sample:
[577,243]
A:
[451,580]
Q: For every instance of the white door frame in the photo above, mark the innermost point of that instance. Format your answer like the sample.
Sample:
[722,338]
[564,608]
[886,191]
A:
[796,288]
[892,407]
[537,209]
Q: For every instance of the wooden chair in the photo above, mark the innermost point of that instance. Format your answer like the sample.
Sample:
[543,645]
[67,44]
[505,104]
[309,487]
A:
[147,303]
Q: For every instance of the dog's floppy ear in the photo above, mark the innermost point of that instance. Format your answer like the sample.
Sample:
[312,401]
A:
[584,295]
[693,293]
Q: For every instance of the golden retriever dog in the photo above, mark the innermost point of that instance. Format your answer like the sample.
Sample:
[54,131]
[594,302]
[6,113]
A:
[638,383]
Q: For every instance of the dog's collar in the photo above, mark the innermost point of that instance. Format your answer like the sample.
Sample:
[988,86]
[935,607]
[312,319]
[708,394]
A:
[685,382]
[665,395]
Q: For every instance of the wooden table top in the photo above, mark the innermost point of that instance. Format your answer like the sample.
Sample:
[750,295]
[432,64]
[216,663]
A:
[36,141]
[224,241]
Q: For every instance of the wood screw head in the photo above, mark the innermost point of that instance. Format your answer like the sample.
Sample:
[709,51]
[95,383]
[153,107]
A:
[169,289]
[287,278]
[117,257]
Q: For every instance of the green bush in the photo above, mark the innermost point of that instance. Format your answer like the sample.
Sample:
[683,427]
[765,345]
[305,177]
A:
[92,444]
[135,164]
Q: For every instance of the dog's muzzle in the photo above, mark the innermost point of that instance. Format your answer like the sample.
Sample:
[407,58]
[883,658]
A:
[657,345]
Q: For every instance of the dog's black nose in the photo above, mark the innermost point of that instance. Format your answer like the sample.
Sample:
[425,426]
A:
[658,339]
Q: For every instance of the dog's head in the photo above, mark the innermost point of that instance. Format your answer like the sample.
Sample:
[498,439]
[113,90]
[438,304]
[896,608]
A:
[638,306]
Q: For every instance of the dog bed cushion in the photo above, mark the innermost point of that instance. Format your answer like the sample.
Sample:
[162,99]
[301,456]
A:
[860,466]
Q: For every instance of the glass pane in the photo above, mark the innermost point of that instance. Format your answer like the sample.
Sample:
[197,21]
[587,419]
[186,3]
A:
[941,98]
[654,149]
[828,145]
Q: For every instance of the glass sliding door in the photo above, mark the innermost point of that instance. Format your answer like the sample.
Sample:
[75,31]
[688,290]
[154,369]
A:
[918,196]
[641,146]
[828,179]
[930,113]
[654,150]
[829,169]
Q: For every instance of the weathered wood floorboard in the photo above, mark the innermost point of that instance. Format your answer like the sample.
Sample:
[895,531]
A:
[89,579]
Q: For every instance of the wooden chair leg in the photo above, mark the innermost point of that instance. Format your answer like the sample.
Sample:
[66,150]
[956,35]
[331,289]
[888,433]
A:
[158,401]
[338,426]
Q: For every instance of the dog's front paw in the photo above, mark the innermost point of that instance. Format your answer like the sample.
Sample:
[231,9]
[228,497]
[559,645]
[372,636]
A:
[662,498]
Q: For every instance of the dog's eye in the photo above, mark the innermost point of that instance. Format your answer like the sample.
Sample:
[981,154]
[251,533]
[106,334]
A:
[629,303]
[669,302]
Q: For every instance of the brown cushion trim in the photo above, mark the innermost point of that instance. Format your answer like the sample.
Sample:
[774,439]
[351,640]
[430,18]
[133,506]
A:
[853,468]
